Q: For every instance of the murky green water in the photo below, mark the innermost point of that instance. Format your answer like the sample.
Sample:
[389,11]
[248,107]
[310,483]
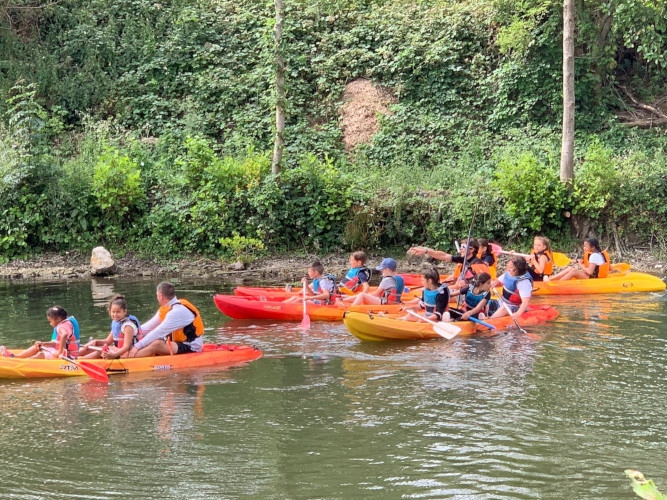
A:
[559,413]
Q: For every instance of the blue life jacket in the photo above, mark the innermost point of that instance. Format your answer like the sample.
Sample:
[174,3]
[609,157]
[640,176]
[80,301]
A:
[510,289]
[75,328]
[393,295]
[317,289]
[473,299]
[354,278]
[117,334]
[429,299]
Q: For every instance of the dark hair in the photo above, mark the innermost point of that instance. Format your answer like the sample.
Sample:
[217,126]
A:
[480,279]
[432,274]
[166,289]
[483,242]
[56,312]
[473,243]
[359,256]
[317,267]
[594,243]
[520,265]
[117,300]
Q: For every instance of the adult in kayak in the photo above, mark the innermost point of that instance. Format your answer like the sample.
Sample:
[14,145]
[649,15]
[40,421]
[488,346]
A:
[468,254]
[517,288]
[595,264]
[176,328]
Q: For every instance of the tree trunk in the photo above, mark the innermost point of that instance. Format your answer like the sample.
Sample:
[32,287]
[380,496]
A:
[279,142]
[567,148]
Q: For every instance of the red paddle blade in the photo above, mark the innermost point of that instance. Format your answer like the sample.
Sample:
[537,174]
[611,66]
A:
[305,322]
[95,372]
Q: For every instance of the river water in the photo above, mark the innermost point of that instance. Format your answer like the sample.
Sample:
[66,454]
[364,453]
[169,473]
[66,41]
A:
[558,413]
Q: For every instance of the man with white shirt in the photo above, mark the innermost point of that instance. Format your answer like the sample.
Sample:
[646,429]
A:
[176,328]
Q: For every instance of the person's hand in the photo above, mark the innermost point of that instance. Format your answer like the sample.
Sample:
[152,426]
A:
[109,355]
[304,280]
[38,344]
[465,316]
[417,250]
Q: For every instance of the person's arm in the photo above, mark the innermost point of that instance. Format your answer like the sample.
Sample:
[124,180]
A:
[525,289]
[128,335]
[63,341]
[152,323]
[430,252]
[478,308]
[364,278]
[441,303]
[538,264]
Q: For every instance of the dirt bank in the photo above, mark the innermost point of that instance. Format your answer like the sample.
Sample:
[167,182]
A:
[288,268]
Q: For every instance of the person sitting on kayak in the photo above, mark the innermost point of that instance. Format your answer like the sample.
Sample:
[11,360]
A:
[357,277]
[486,255]
[477,298]
[125,332]
[434,300]
[321,290]
[517,288]
[541,260]
[176,328]
[390,289]
[595,264]
[468,255]
[65,335]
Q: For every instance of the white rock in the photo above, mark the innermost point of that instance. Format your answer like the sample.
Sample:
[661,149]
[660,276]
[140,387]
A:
[101,262]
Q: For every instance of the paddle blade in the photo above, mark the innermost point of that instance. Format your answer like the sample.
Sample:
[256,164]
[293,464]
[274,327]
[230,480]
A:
[561,260]
[345,290]
[305,322]
[446,330]
[496,248]
[93,371]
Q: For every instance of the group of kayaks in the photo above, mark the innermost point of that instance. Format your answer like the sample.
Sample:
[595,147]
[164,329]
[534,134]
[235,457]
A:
[377,323]
[366,322]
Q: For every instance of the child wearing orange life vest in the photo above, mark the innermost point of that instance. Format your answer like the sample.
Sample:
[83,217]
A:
[65,343]
[125,332]
[390,289]
[486,255]
[468,255]
[541,261]
[595,264]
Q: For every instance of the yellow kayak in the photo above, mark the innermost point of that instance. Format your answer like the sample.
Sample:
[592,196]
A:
[627,282]
[212,354]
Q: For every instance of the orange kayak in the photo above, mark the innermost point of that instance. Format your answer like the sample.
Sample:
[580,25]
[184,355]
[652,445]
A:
[273,293]
[627,282]
[212,354]
[255,308]
[371,327]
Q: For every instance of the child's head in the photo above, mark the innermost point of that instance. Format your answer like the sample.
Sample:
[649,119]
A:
[517,266]
[56,314]
[593,245]
[431,278]
[541,244]
[316,269]
[482,280]
[117,307]
[357,259]
[388,266]
[484,247]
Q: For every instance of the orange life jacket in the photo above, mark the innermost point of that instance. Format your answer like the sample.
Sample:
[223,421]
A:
[475,266]
[493,268]
[549,266]
[601,270]
[190,332]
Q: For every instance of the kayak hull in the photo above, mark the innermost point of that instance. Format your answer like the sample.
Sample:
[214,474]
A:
[628,282]
[255,308]
[211,355]
[374,328]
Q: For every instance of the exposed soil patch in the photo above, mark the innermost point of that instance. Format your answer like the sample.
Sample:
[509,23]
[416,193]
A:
[363,103]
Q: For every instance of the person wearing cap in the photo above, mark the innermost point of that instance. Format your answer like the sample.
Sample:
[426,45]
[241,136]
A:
[468,256]
[389,290]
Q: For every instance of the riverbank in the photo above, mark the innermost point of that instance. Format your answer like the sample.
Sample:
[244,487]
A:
[73,265]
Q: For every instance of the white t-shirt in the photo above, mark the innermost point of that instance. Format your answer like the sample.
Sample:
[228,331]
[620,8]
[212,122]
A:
[596,258]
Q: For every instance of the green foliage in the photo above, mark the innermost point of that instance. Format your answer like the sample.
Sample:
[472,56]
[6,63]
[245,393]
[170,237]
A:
[531,191]
[241,248]
[596,181]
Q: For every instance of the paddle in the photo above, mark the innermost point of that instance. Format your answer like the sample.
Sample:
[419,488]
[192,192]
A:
[465,257]
[445,330]
[483,323]
[345,290]
[621,267]
[305,322]
[95,372]
[509,311]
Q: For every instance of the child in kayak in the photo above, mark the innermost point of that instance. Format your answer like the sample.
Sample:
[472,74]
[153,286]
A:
[541,260]
[434,300]
[357,277]
[595,264]
[65,329]
[486,255]
[478,303]
[125,332]
[468,255]
[389,290]
[517,288]
[321,290]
